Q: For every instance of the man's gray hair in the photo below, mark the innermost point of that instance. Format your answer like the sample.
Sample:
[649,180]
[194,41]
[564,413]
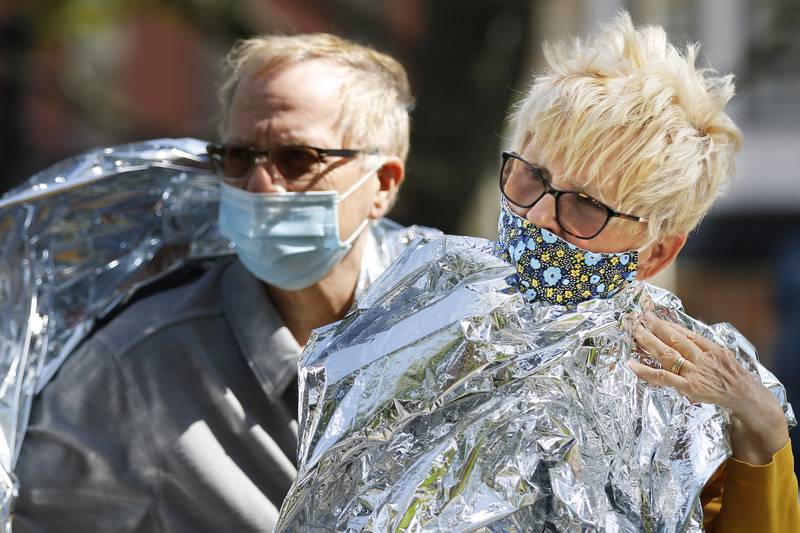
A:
[375,101]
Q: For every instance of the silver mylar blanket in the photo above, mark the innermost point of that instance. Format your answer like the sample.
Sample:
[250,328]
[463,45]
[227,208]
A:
[80,239]
[75,241]
[443,402]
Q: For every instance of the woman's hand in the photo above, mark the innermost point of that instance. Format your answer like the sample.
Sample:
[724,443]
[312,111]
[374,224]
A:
[705,372]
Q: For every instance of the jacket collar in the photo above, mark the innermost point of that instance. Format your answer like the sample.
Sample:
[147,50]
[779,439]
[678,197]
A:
[267,344]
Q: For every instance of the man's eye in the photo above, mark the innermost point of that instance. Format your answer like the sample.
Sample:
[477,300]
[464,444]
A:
[294,163]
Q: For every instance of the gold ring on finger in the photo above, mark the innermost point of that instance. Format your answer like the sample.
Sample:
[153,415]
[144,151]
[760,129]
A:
[676,368]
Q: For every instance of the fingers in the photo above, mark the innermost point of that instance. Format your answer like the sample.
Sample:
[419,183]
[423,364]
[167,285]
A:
[657,377]
[665,355]
[673,337]
[702,342]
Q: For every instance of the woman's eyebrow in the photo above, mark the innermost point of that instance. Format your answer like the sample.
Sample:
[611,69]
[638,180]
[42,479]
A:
[566,184]
[582,188]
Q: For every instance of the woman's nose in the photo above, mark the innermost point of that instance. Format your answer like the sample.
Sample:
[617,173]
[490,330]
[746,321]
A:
[261,180]
[543,214]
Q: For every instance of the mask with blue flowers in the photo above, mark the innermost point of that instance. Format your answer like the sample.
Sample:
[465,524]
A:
[552,270]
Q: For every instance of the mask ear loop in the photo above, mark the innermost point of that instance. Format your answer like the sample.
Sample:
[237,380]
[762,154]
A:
[349,241]
[357,185]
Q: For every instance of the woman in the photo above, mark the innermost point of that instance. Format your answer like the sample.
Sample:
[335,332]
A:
[619,152]
[442,402]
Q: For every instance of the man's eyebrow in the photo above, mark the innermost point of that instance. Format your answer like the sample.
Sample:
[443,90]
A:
[283,140]
[291,138]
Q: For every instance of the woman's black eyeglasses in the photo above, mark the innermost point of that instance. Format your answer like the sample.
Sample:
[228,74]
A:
[523,184]
[292,163]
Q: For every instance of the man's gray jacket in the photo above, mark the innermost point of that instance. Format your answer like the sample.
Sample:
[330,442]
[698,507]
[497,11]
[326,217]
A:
[177,416]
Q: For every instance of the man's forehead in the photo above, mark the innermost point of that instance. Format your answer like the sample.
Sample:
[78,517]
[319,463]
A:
[272,137]
[316,80]
[291,104]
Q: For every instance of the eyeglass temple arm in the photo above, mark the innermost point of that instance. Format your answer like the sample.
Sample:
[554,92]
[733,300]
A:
[344,152]
[630,217]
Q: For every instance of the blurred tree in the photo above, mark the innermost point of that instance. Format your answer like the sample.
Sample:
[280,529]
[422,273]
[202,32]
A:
[81,73]
[467,62]
[110,71]
[15,41]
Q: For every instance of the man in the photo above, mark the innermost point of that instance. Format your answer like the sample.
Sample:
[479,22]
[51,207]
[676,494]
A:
[179,415]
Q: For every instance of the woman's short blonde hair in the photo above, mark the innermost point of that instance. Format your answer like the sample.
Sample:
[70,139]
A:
[376,98]
[628,112]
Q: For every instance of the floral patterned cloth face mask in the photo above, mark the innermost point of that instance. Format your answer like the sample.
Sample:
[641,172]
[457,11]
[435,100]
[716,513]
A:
[555,271]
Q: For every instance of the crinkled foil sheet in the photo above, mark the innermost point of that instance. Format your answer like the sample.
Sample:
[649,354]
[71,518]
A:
[80,239]
[75,241]
[443,402]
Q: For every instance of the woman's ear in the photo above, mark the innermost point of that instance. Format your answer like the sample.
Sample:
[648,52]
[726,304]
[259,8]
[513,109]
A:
[659,255]
[390,176]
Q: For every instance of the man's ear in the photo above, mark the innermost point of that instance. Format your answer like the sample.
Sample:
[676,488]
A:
[390,176]
[659,255]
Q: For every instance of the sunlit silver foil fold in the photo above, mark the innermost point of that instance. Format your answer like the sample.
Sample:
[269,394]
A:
[83,237]
[444,402]
[76,240]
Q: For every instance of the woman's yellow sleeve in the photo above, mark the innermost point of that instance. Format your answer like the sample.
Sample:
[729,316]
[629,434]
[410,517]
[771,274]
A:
[747,498]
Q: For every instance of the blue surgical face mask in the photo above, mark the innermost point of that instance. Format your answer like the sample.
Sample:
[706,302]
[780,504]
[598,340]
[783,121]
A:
[555,271]
[288,240]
